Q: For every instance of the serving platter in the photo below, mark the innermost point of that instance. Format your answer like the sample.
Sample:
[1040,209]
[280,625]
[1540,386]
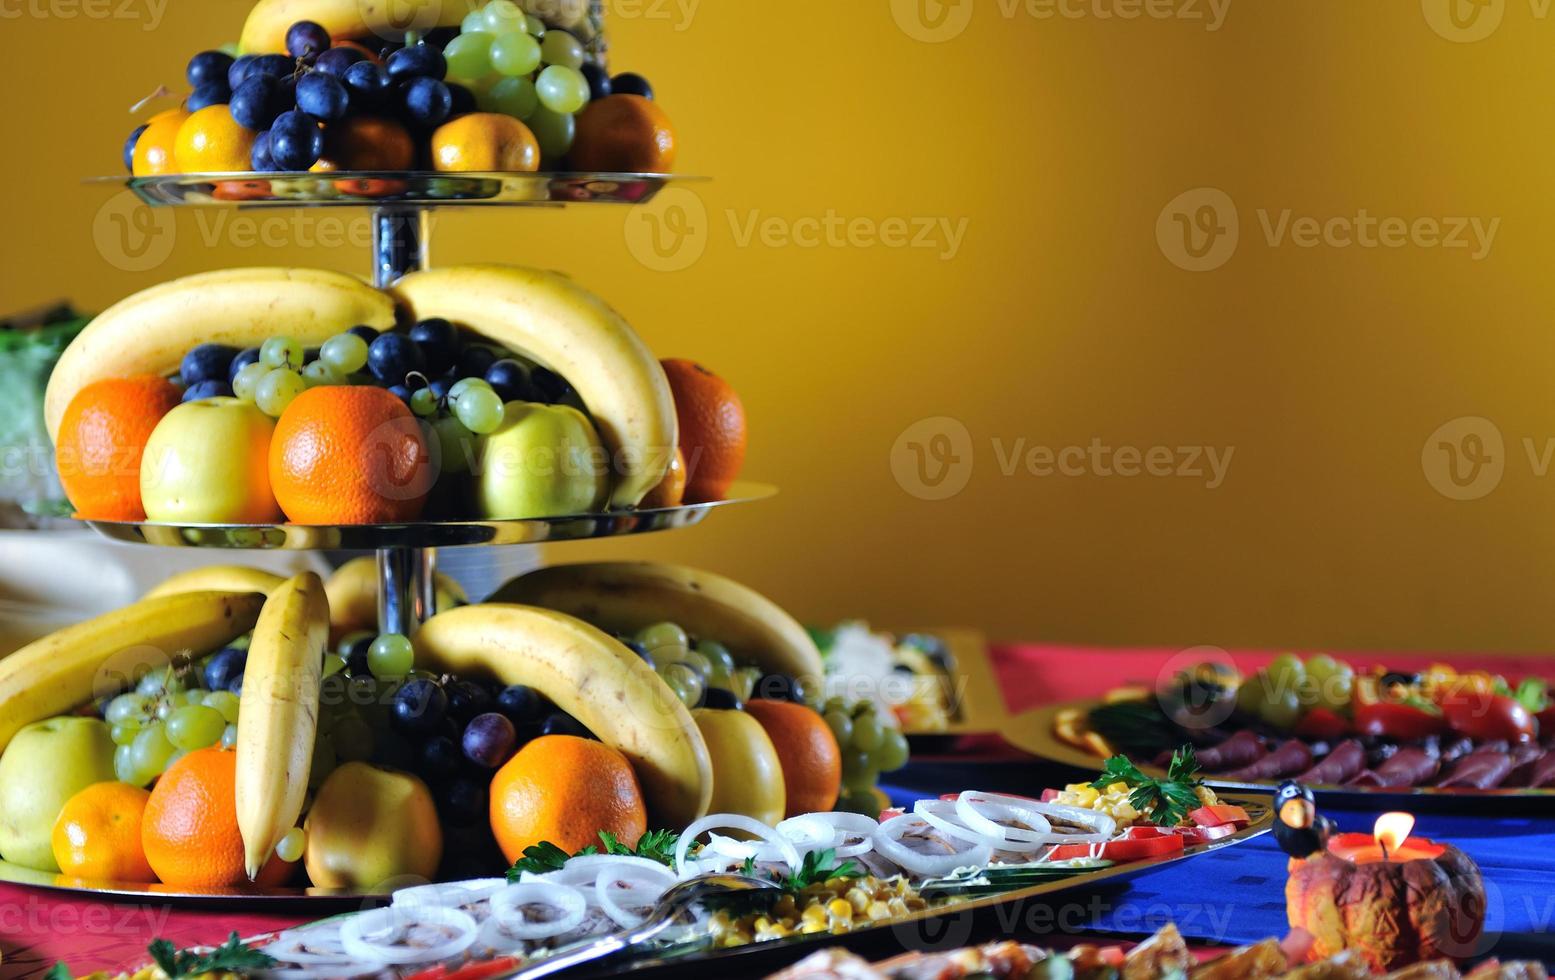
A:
[1032,731]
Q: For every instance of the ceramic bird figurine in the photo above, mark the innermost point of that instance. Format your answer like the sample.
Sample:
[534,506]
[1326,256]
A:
[1300,830]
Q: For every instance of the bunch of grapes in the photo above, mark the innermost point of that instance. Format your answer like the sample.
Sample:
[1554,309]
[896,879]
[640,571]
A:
[702,673]
[870,746]
[171,713]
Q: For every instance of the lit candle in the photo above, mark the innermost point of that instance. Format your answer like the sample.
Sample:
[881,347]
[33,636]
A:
[1388,841]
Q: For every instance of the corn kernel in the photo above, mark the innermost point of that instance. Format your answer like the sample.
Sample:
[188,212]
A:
[879,910]
[840,909]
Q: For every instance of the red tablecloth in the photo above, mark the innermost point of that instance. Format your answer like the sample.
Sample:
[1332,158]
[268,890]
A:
[39,927]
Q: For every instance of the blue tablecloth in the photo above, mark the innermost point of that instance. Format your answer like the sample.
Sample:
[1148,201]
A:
[1236,895]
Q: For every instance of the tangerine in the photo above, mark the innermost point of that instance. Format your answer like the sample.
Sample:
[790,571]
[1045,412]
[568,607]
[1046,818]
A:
[671,490]
[97,834]
[349,455]
[366,143]
[190,827]
[806,749]
[102,438]
[485,142]
[212,142]
[712,429]
[625,134]
[565,789]
[155,153]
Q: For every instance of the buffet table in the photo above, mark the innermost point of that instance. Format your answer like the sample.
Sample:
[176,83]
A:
[1230,897]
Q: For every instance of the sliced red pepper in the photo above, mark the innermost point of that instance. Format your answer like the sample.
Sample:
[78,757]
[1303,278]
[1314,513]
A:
[1123,849]
[1207,834]
[1392,719]
[1049,795]
[470,971]
[1489,717]
[1322,724]
[1219,815]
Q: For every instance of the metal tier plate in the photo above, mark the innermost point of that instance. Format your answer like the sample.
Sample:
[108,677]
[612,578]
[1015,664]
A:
[395,189]
[442,534]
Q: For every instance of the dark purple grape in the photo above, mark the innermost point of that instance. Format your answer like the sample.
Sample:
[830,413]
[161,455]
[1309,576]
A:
[278,66]
[129,148]
[239,72]
[356,657]
[440,388]
[207,362]
[336,61]
[510,380]
[296,141]
[417,61]
[721,699]
[418,707]
[489,740]
[370,86]
[561,723]
[466,699]
[631,83]
[521,704]
[778,687]
[205,96]
[552,387]
[598,79]
[305,39]
[402,392]
[201,390]
[242,360]
[223,667]
[465,802]
[440,757]
[427,102]
[322,97]
[208,67]
[257,101]
[392,357]
[475,360]
[439,343]
[463,100]
[259,158]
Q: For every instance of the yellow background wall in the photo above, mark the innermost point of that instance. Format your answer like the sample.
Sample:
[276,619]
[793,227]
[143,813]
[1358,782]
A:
[1056,136]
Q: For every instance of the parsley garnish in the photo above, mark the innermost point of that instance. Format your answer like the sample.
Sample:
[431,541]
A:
[545,857]
[59,971]
[818,866]
[1166,800]
[231,957]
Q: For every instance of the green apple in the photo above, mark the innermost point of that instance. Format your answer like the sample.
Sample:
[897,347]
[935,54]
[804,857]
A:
[543,461]
[46,764]
[208,462]
[369,826]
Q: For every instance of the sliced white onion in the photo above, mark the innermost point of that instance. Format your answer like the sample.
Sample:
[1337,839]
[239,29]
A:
[387,927]
[822,831]
[495,938]
[635,886]
[732,821]
[977,811]
[1102,825]
[564,898]
[889,846]
[456,894]
[941,815]
[314,946]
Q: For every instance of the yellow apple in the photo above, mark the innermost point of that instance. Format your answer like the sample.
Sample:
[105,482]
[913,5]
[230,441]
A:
[208,462]
[46,764]
[543,461]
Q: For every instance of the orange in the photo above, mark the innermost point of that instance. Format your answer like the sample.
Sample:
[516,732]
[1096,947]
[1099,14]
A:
[626,134]
[212,142]
[712,429]
[97,834]
[349,455]
[671,490]
[565,789]
[190,827]
[807,751]
[154,151]
[101,440]
[366,143]
[484,142]
[241,190]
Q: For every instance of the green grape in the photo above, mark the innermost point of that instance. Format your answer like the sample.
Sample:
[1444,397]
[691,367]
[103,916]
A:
[157,682]
[334,663]
[278,390]
[1335,690]
[552,130]
[345,353]
[124,732]
[290,847]
[1285,672]
[717,654]
[534,26]
[696,662]
[718,677]
[562,89]
[1252,694]
[423,402]
[855,763]
[503,16]
[225,702]
[247,380]
[353,738]
[466,384]
[324,761]
[561,48]
[892,753]
[242,642]
[279,352]
[685,682]
[867,732]
[662,635]
[1320,666]
[861,781]
[469,57]
[514,97]
[515,54]
[480,409]
[841,725]
[124,766]
[391,655]
[318,375]
[195,695]
[165,708]
[743,682]
[229,736]
[1282,709]
[456,443]
[475,23]
[195,727]
[126,707]
[149,754]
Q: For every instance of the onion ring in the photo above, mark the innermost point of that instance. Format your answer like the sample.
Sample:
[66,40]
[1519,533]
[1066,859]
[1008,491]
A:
[354,931]
[455,894]
[564,898]
[622,915]
[732,821]
[889,846]
[1004,838]
[831,830]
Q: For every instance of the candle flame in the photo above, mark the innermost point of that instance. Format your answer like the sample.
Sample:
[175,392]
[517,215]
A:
[1392,829]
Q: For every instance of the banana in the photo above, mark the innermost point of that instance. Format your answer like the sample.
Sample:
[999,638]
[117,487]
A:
[279,715]
[265,30]
[105,655]
[353,596]
[592,676]
[550,318]
[624,597]
[149,332]
[218,578]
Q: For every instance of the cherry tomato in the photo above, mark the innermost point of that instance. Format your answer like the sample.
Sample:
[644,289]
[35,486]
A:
[1404,722]
[1322,724]
[1489,717]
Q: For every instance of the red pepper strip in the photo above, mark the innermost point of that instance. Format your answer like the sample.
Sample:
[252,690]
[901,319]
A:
[1322,724]
[470,971]
[1404,722]
[1136,848]
[1219,814]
